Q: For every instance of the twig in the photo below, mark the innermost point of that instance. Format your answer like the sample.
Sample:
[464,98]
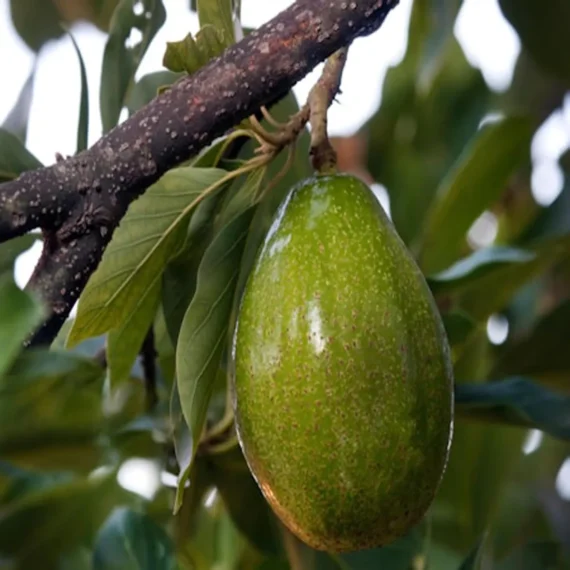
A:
[79,201]
[320,99]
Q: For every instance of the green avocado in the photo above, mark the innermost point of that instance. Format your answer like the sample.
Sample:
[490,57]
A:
[342,380]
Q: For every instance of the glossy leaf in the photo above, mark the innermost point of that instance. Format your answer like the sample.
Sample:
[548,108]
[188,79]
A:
[20,313]
[479,264]
[485,283]
[148,237]
[124,343]
[14,158]
[50,411]
[17,120]
[83,125]
[43,525]
[517,401]
[542,29]
[205,326]
[132,541]
[474,184]
[121,62]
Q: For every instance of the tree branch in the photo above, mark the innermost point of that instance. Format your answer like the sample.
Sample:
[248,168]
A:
[79,202]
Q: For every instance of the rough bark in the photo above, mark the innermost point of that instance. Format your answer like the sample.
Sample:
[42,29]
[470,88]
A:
[78,202]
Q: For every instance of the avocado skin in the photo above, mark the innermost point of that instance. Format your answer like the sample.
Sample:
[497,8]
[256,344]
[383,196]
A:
[342,380]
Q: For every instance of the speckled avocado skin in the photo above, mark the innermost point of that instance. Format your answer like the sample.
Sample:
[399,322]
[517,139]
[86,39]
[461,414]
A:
[342,379]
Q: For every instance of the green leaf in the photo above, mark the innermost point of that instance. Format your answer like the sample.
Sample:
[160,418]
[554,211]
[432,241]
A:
[147,88]
[517,401]
[190,54]
[475,183]
[204,329]
[12,249]
[218,13]
[148,237]
[542,29]
[132,541]
[121,62]
[124,343]
[485,284]
[14,158]
[479,264]
[43,525]
[17,120]
[36,22]
[83,125]
[19,315]
[50,411]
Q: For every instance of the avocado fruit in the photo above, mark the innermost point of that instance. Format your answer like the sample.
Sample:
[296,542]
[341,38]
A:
[341,373]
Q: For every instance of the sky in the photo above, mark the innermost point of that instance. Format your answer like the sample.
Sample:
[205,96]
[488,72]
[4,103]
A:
[488,40]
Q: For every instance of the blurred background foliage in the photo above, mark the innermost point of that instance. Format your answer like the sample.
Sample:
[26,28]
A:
[92,439]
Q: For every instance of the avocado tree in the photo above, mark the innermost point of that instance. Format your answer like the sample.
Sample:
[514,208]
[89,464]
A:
[154,230]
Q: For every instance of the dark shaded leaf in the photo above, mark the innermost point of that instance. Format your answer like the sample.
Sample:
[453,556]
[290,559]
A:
[132,541]
[458,326]
[517,401]
[17,120]
[245,504]
[83,125]
[205,326]
[149,236]
[20,313]
[542,29]
[475,183]
[542,352]
[14,158]
[536,556]
[50,411]
[475,559]
[43,525]
[121,62]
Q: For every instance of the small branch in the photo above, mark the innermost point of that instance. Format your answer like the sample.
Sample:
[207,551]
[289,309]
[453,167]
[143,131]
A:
[320,99]
[79,201]
[148,360]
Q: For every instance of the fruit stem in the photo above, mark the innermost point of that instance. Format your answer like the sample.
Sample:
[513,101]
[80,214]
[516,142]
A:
[320,99]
